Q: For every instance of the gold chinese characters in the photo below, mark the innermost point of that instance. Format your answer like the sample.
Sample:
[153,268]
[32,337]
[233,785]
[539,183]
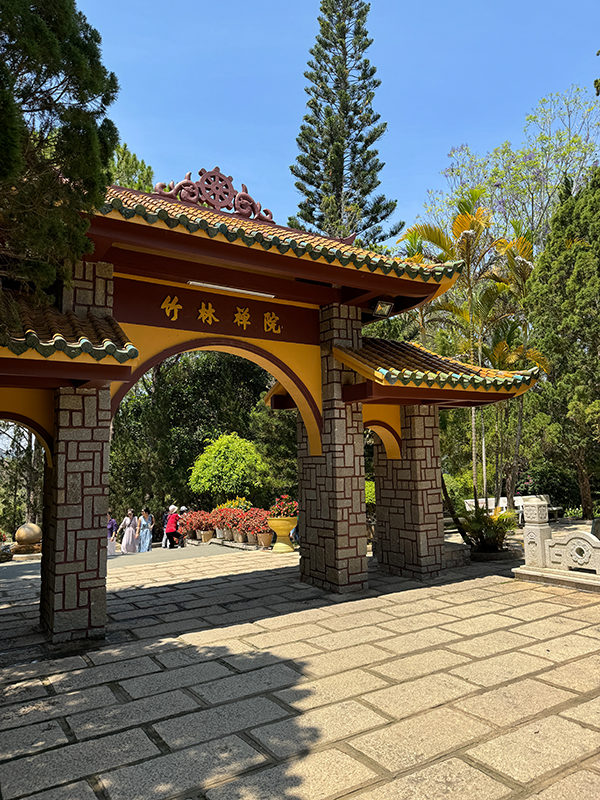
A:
[207,314]
[171,307]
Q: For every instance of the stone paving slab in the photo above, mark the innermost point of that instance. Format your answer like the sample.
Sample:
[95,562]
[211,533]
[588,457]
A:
[318,726]
[73,761]
[214,723]
[315,777]
[536,749]
[578,786]
[449,780]
[108,720]
[419,739]
[171,774]
[255,686]
[56,706]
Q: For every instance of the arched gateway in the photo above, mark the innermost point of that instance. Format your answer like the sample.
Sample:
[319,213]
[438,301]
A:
[174,271]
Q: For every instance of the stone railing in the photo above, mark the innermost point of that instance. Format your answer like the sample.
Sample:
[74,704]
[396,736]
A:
[572,557]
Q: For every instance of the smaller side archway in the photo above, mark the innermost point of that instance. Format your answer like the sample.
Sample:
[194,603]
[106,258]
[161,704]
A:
[386,423]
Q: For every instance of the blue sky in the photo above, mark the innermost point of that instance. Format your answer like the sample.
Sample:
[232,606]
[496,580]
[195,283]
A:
[221,83]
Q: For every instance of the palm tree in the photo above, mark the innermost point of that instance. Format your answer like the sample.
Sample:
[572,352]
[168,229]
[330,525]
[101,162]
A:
[512,270]
[469,240]
[507,351]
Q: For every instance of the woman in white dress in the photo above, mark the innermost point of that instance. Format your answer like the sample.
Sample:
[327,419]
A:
[129,527]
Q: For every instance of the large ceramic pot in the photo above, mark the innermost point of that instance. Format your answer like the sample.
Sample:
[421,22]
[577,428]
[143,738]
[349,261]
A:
[282,527]
[29,533]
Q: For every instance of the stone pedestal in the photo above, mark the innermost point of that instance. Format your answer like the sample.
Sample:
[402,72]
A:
[537,531]
[333,542]
[410,528]
[73,595]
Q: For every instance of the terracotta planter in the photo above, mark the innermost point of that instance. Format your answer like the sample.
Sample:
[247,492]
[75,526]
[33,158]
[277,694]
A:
[265,539]
[228,534]
[282,527]
[238,536]
[251,537]
[206,536]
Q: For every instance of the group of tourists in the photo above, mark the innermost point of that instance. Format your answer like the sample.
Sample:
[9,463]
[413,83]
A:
[137,531]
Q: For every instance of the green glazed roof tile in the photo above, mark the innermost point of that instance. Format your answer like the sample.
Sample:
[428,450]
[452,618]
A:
[151,207]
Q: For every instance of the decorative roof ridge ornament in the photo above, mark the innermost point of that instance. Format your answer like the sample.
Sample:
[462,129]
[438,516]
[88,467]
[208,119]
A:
[217,191]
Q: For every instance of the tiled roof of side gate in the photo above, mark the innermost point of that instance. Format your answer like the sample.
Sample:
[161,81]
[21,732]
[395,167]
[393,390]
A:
[48,331]
[391,362]
[287,241]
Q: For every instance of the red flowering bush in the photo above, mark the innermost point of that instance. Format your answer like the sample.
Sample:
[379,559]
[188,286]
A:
[254,522]
[284,506]
[195,521]
[226,517]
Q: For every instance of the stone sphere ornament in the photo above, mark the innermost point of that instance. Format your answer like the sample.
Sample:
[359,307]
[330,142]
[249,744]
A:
[29,533]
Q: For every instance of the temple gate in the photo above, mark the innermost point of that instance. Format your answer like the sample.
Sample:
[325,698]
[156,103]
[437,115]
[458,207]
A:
[199,265]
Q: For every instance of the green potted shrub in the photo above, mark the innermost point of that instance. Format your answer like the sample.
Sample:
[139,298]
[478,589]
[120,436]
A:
[283,517]
[484,532]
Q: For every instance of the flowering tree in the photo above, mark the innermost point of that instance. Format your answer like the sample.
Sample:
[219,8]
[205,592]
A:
[561,137]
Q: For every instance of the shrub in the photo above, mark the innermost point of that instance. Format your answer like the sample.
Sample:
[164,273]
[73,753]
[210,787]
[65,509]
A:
[284,506]
[229,467]
[254,522]
[224,517]
[370,499]
[195,521]
[239,502]
[487,532]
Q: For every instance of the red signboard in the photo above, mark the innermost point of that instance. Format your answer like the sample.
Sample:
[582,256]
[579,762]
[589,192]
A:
[160,305]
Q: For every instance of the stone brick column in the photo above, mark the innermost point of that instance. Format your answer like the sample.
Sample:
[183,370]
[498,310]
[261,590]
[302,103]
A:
[333,543]
[91,289]
[410,527]
[73,597]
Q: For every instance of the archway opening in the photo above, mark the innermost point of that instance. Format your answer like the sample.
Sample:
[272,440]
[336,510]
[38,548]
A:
[24,454]
[177,408]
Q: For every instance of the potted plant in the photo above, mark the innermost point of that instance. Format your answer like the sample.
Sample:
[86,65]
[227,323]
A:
[220,518]
[283,517]
[254,525]
[198,523]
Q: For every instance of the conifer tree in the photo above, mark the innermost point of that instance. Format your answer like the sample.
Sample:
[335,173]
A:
[337,169]
[131,172]
[56,142]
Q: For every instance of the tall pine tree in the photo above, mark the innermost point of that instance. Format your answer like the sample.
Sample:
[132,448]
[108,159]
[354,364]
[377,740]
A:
[338,168]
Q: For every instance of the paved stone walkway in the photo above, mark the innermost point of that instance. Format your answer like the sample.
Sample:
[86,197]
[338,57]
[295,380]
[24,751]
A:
[225,678]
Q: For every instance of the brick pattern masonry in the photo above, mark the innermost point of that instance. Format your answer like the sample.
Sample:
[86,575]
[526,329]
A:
[92,290]
[331,487]
[410,527]
[73,598]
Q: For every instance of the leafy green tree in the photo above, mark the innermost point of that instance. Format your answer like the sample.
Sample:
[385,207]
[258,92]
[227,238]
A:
[228,468]
[131,172]
[337,169]
[168,418]
[275,436]
[21,477]
[522,184]
[563,310]
[57,142]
